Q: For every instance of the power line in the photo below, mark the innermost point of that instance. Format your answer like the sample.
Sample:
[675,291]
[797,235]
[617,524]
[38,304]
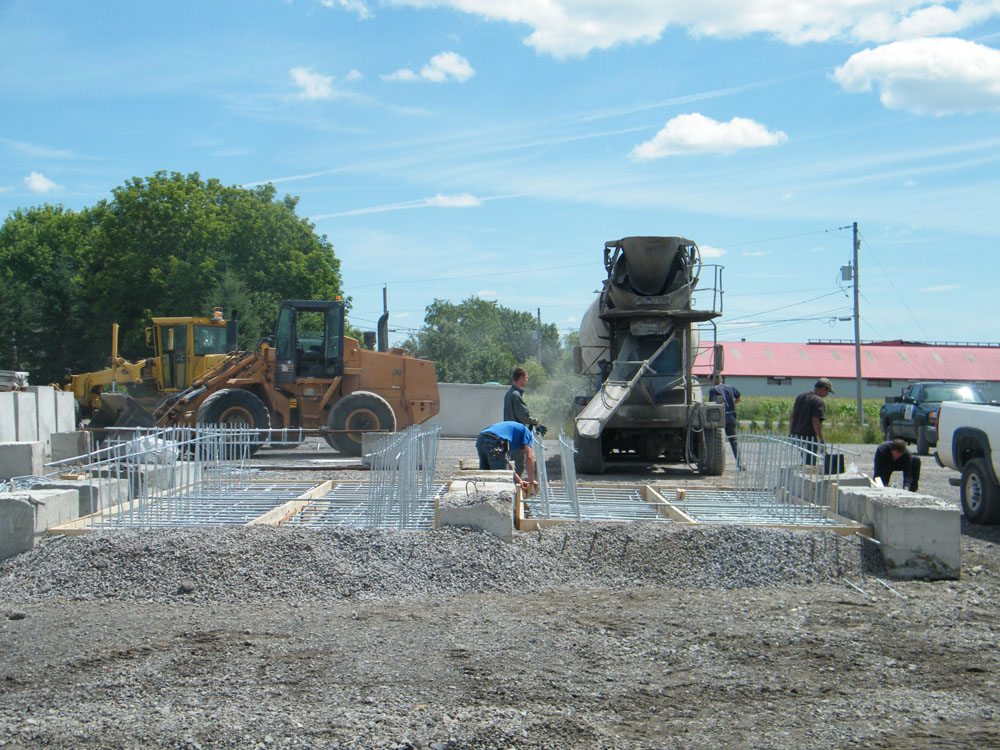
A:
[775,239]
[889,279]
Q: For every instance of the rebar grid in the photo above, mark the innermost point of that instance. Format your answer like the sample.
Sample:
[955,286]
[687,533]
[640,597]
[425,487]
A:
[566,453]
[347,505]
[597,504]
[402,476]
[544,493]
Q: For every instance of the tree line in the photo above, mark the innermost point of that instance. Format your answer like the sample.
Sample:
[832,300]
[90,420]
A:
[174,244]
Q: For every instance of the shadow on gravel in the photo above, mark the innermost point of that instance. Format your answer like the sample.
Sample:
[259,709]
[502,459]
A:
[984,533]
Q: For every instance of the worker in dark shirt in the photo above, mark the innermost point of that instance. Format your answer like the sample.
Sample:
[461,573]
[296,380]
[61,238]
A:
[892,456]
[808,413]
[729,396]
[515,410]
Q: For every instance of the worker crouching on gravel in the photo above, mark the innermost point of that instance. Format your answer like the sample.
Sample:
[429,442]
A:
[495,444]
[892,456]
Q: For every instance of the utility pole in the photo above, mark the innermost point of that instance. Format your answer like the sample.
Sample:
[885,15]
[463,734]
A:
[857,330]
[539,310]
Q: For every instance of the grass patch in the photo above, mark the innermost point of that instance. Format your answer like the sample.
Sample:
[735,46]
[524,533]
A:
[841,425]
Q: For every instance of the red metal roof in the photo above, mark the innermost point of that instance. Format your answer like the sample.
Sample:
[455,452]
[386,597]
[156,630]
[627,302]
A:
[889,361]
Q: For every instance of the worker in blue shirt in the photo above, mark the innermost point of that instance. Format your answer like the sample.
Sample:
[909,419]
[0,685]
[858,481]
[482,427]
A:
[495,444]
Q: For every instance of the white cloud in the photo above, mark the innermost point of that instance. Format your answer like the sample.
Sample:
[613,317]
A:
[314,85]
[353,75]
[927,76]
[5,188]
[707,251]
[940,288]
[697,134]
[755,253]
[39,183]
[484,293]
[463,200]
[573,28]
[360,7]
[440,68]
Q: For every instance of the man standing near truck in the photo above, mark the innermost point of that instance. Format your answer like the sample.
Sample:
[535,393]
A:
[892,456]
[728,396]
[808,413]
[515,410]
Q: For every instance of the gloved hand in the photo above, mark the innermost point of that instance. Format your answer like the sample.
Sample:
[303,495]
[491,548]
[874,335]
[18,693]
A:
[541,430]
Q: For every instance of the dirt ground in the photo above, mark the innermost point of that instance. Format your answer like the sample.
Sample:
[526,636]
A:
[904,664]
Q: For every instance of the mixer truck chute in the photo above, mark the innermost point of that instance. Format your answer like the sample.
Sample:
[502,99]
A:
[638,342]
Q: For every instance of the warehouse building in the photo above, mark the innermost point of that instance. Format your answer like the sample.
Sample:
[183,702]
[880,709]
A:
[780,369]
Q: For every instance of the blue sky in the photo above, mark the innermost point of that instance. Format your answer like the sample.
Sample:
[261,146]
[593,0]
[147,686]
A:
[457,147]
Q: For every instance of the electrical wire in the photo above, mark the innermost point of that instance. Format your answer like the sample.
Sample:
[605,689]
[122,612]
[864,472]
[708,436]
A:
[889,279]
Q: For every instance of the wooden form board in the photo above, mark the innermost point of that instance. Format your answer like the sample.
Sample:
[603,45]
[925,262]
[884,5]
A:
[283,513]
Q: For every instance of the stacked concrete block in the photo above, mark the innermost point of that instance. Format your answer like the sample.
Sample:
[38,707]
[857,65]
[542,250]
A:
[25,416]
[45,411]
[8,420]
[21,459]
[65,411]
[93,495]
[24,517]
[67,445]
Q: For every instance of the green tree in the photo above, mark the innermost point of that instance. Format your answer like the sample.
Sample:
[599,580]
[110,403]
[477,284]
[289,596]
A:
[170,244]
[479,340]
[164,244]
[42,325]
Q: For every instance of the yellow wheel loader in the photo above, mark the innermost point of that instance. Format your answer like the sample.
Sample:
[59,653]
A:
[307,375]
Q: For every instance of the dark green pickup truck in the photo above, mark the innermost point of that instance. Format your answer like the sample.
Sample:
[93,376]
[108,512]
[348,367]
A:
[913,415]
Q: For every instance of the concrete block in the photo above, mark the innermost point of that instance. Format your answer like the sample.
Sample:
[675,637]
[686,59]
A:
[26,416]
[484,510]
[466,408]
[45,410]
[17,525]
[24,517]
[93,495]
[20,459]
[65,411]
[69,445]
[8,419]
[920,535]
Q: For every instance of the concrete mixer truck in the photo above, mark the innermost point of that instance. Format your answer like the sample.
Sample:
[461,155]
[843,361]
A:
[638,343]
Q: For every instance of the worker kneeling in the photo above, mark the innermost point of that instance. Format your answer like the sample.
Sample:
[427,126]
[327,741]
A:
[495,444]
[892,456]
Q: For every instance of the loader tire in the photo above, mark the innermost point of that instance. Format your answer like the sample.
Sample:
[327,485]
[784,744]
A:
[712,458]
[233,407]
[359,412]
[589,458]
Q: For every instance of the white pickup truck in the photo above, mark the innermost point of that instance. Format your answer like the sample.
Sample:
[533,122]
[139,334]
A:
[969,442]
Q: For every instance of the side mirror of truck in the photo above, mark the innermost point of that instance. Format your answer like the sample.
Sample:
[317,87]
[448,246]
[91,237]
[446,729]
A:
[577,359]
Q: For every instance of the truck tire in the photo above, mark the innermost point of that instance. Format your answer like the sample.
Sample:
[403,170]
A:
[923,447]
[589,457]
[712,458]
[980,496]
[362,411]
[234,407]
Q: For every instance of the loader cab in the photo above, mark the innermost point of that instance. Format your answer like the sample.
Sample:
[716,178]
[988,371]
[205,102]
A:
[309,340]
[187,347]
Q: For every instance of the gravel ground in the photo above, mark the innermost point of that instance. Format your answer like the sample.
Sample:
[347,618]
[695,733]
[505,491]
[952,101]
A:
[582,636]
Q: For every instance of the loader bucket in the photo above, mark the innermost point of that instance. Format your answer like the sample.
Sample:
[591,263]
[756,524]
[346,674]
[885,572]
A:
[121,410]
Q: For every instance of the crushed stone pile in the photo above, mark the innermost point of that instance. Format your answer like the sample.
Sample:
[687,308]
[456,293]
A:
[305,565]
